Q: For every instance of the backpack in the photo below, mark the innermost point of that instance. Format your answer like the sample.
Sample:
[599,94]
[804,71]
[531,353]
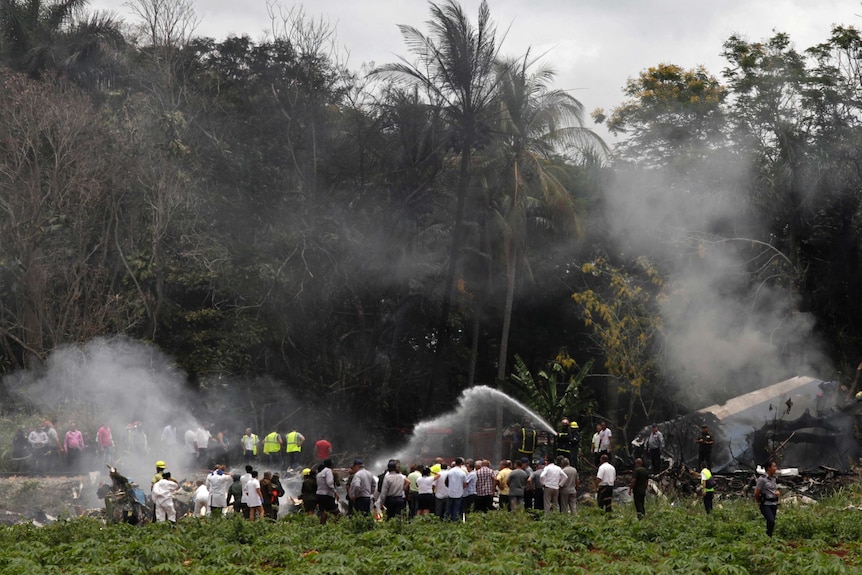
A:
[710,483]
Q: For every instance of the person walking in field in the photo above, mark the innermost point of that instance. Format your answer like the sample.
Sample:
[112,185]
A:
[767,494]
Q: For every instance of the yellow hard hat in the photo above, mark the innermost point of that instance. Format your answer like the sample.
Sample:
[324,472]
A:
[574,425]
[160,464]
[306,471]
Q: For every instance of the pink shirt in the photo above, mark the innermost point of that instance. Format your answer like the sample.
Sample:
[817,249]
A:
[74,440]
[103,436]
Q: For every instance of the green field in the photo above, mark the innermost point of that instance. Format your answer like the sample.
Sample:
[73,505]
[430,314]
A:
[821,538]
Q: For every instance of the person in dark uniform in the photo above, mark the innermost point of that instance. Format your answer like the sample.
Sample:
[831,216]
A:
[704,448]
[766,494]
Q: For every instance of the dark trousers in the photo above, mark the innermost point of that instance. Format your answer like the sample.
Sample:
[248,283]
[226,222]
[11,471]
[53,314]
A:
[413,502]
[769,512]
[504,502]
[707,502]
[395,506]
[453,508]
[605,496]
[468,503]
[640,504]
[440,506]
[655,459]
[705,460]
[484,503]
[362,505]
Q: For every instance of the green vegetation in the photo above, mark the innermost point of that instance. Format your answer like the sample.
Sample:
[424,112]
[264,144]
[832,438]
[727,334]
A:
[825,538]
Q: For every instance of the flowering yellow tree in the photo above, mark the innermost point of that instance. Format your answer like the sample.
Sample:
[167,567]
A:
[620,309]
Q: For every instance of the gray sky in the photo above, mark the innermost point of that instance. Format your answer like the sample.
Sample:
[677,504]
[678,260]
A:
[594,46]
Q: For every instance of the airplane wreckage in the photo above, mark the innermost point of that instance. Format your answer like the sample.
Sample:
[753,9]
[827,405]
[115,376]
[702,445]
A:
[803,423]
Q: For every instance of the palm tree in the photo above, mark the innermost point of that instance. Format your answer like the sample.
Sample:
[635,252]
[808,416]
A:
[36,36]
[455,68]
[534,123]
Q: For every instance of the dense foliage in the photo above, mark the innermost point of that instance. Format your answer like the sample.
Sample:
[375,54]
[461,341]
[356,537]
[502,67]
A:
[823,538]
[390,237]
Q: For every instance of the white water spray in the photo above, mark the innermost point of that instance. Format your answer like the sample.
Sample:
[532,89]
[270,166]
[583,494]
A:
[468,430]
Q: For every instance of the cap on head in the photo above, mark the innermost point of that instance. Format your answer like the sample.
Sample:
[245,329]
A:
[306,471]
[160,464]
[358,462]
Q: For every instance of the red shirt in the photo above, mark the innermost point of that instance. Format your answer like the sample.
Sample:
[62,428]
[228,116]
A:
[324,448]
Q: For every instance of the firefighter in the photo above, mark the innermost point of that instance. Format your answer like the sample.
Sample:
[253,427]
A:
[526,438]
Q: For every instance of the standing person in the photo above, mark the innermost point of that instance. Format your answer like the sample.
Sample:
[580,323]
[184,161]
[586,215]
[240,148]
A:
[38,440]
[190,441]
[294,441]
[222,447]
[517,481]
[766,494]
[502,481]
[272,443]
[456,481]
[254,497]
[704,447]
[485,486]
[469,491]
[638,487]
[569,489]
[605,478]
[266,491]
[363,487]
[596,443]
[606,441]
[308,492]
[160,473]
[527,437]
[203,438]
[392,490]
[234,494]
[562,442]
[413,492]
[243,481]
[105,442]
[441,490]
[322,449]
[219,483]
[425,497]
[163,498]
[707,485]
[655,445]
[553,478]
[168,439]
[535,488]
[249,443]
[327,497]
[55,448]
[73,445]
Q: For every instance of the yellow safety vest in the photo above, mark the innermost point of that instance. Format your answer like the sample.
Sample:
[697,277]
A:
[270,443]
[293,444]
[707,475]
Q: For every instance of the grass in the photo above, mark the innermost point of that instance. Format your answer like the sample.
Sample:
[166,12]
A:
[822,538]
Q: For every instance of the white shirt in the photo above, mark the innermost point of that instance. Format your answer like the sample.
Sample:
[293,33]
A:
[250,493]
[189,438]
[163,490]
[426,484]
[457,479]
[218,486]
[606,474]
[552,476]
[203,438]
[243,480]
[248,442]
[605,439]
[169,435]
[441,491]
[202,494]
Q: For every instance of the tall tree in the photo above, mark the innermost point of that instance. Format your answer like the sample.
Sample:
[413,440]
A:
[535,123]
[455,68]
[36,36]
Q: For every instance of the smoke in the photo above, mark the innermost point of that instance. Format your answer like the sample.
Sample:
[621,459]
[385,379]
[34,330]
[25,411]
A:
[731,319]
[115,381]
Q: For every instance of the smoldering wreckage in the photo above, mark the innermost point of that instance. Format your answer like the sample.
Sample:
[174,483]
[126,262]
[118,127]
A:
[810,426]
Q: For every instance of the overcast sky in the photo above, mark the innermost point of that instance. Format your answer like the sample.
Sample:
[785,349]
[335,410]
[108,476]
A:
[594,46]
